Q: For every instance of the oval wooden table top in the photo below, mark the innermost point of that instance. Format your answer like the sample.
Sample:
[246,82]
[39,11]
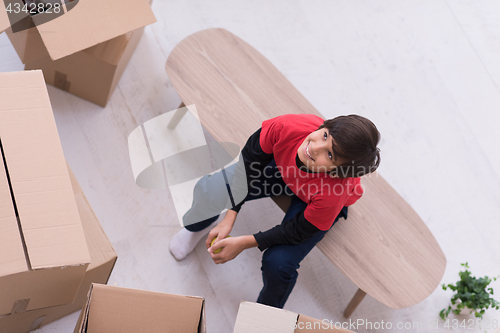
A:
[384,247]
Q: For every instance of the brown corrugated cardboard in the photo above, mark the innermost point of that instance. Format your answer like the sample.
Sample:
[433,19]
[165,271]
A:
[35,176]
[4,19]
[113,309]
[13,16]
[102,256]
[254,317]
[15,262]
[91,74]
[83,24]
[28,44]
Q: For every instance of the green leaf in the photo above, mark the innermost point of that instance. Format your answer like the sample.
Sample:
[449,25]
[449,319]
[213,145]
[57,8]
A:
[441,314]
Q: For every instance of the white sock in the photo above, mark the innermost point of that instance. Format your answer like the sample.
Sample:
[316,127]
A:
[184,242]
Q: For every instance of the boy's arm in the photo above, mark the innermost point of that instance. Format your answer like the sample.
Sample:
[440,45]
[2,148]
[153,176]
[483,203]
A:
[294,231]
[222,229]
[230,218]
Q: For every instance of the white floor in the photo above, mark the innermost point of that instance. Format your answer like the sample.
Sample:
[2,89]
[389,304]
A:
[427,72]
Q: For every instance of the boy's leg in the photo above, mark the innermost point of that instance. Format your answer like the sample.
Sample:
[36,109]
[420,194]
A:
[279,270]
[209,199]
[280,263]
[210,195]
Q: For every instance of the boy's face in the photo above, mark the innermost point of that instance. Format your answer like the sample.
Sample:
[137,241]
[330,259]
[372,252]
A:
[316,152]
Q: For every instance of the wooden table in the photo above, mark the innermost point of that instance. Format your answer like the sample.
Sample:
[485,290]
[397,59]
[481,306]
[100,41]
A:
[384,247]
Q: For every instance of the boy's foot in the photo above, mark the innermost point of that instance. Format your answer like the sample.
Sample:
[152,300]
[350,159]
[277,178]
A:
[184,242]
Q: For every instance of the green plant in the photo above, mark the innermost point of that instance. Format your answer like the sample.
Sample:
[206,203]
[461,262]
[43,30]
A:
[472,293]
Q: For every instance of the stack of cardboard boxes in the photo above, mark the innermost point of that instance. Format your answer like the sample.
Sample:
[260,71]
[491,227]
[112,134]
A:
[51,244]
[85,48]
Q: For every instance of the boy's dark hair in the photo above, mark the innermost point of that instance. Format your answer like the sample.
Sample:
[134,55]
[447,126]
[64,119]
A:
[356,140]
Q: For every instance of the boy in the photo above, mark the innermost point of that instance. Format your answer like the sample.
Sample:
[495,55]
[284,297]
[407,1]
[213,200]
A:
[318,163]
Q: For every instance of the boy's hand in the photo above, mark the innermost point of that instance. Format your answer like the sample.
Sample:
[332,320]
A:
[222,230]
[231,247]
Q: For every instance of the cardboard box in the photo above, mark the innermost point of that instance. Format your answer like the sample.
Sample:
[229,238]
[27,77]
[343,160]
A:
[254,317]
[103,259]
[43,252]
[86,50]
[4,20]
[91,74]
[113,309]
[82,25]
[8,17]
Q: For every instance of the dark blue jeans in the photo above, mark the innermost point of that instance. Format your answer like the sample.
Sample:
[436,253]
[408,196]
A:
[279,263]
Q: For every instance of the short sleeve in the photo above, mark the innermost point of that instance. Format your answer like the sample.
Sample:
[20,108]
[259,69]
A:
[270,134]
[321,212]
[356,192]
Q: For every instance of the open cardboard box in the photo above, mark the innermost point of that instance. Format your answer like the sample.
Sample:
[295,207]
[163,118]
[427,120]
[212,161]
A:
[85,51]
[82,24]
[254,317]
[91,74]
[102,256]
[114,309]
[43,252]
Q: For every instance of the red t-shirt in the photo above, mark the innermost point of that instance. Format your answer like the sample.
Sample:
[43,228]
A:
[325,196]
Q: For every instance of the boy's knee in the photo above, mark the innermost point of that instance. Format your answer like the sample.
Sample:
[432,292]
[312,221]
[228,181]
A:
[287,273]
[276,262]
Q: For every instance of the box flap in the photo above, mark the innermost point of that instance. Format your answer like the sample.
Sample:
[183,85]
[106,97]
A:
[111,51]
[81,325]
[202,328]
[91,22]
[6,19]
[28,44]
[115,309]
[254,317]
[307,324]
[43,195]
[12,257]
